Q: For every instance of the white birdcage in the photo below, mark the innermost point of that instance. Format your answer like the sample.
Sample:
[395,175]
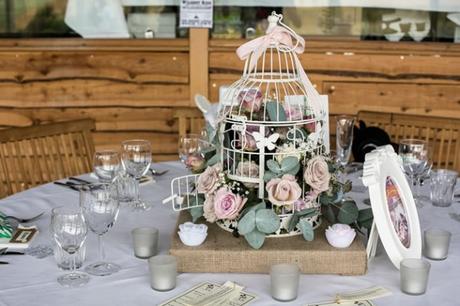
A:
[273,100]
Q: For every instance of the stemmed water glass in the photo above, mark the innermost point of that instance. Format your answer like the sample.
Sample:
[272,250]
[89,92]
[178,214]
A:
[344,138]
[69,230]
[414,155]
[192,148]
[136,157]
[106,165]
[99,204]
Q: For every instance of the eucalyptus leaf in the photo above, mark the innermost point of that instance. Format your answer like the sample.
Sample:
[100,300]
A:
[213,160]
[294,170]
[306,229]
[268,175]
[255,239]
[275,111]
[365,218]
[196,200]
[329,214]
[196,212]
[293,222]
[348,212]
[267,221]
[307,212]
[289,163]
[273,166]
[247,223]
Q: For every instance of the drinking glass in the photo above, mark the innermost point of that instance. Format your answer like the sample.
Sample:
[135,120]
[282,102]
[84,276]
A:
[344,138]
[191,147]
[136,157]
[106,165]
[414,155]
[100,206]
[443,183]
[69,230]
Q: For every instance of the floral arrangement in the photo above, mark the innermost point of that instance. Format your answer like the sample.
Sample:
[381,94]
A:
[299,183]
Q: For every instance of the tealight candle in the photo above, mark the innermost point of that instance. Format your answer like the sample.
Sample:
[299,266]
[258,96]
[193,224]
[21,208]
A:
[284,282]
[414,275]
[145,240]
[163,272]
[436,244]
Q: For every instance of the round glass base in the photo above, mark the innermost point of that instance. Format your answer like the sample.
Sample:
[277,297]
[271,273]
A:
[140,205]
[102,268]
[74,279]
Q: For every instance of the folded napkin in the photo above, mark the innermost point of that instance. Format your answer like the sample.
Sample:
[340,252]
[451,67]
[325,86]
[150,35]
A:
[6,230]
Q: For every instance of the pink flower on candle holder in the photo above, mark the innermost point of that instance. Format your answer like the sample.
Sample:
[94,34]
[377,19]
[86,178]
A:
[227,205]
[284,190]
[195,162]
[250,100]
[317,174]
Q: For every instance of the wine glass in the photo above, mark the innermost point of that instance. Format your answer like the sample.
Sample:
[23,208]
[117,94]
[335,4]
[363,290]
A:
[106,165]
[191,147]
[344,138]
[99,204]
[69,230]
[136,157]
[414,155]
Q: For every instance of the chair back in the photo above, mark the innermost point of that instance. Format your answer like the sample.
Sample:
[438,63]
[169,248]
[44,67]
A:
[443,134]
[34,155]
[190,121]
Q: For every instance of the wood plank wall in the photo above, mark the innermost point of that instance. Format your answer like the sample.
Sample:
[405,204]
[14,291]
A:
[132,87]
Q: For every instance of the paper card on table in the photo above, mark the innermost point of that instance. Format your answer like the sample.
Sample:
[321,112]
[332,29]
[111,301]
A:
[363,294]
[208,293]
[21,238]
[355,303]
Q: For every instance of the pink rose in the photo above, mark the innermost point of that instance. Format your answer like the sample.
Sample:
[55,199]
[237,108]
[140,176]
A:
[284,190]
[317,174]
[247,141]
[250,100]
[208,181]
[208,209]
[227,205]
[194,162]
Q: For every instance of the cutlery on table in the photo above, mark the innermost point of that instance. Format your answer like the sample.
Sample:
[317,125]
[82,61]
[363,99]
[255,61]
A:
[4,262]
[71,186]
[25,220]
[158,173]
[82,181]
[5,251]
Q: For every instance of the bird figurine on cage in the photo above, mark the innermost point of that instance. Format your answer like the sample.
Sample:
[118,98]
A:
[270,173]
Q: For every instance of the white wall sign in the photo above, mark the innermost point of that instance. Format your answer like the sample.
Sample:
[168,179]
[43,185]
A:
[196,13]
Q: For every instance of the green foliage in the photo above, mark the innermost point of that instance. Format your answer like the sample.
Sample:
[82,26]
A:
[348,212]
[305,213]
[365,218]
[196,213]
[289,165]
[275,111]
[213,160]
[256,223]
[306,229]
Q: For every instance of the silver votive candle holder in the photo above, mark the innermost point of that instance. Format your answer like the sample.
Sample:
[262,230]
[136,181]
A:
[145,241]
[436,244]
[443,183]
[284,282]
[163,272]
[414,275]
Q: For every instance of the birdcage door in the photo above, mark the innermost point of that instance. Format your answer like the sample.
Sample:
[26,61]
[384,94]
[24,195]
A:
[184,194]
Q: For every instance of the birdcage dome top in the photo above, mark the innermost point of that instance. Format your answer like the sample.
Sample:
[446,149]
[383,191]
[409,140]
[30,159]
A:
[273,86]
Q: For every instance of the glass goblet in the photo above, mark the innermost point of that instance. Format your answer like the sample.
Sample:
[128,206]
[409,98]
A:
[414,155]
[69,230]
[136,157]
[106,165]
[344,138]
[99,204]
[191,147]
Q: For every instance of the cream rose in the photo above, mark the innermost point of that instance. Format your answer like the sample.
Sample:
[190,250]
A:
[208,209]
[317,174]
[208,181]
[248,169]
[284,190]
[287,150]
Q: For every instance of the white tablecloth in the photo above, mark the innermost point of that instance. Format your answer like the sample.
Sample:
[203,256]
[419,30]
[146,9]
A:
[30,281]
